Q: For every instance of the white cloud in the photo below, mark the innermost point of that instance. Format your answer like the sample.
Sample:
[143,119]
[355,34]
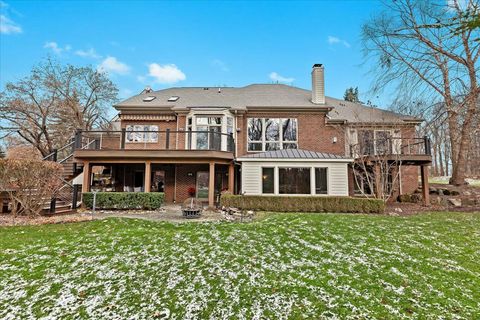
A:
[7,26]
[55,48]
[220,64]
[278,78]
[112,65]
[336,40]
[90,53]
[333,40]
[168,73]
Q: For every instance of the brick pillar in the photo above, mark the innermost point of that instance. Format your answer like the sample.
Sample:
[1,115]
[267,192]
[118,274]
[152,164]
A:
[425,186]
[231,178]
[86,177]
[211,185]
[148,176]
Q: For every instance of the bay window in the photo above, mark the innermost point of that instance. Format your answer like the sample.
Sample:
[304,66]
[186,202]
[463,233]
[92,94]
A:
[210,131]
[266,134]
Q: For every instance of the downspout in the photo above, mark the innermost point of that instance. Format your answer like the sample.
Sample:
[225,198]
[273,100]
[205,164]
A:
[176,135]
[236,133]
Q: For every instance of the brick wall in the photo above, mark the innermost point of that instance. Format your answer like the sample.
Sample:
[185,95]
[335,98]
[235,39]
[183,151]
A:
[410,176]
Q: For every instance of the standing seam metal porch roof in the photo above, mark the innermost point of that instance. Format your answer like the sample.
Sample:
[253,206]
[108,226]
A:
[292,154]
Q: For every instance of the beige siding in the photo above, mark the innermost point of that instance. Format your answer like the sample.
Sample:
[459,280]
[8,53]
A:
[252,175]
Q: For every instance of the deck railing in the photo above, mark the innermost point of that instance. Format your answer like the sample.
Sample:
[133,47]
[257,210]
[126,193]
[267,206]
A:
[154,140]
[391,147]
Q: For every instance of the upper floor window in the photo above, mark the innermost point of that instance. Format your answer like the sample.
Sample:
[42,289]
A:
[210,132]
[379,142]
[141,133]
[266,134]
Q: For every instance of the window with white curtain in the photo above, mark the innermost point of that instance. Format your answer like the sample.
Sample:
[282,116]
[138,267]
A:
[141,133]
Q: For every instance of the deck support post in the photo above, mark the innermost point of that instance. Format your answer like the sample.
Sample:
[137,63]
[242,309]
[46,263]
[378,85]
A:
[86,177]
[378,182]
[425,186]
[148,177]
[211,185]
[231,178]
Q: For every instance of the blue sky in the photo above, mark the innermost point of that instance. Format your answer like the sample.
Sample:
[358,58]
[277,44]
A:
[164,44]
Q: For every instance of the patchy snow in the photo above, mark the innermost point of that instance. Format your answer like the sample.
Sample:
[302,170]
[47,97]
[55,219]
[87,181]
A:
[310,266]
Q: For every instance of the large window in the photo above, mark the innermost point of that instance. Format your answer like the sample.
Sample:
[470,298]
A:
[268,180]
[294,180]
[142,133]
[265,134]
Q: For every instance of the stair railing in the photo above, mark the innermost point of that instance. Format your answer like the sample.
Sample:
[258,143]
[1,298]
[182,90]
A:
[67,192]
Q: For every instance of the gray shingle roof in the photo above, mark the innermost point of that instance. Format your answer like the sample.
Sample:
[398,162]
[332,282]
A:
[293,154]
[259,95]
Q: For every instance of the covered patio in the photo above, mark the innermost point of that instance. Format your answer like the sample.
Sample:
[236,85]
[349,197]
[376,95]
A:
[204,180]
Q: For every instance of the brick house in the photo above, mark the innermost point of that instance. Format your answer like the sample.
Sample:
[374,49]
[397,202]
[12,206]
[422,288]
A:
[258,139]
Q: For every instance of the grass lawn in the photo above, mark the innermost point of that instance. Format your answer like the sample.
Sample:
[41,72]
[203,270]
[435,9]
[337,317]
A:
[285,266]
[444,180]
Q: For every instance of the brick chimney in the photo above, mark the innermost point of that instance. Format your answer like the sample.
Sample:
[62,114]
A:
[318,84]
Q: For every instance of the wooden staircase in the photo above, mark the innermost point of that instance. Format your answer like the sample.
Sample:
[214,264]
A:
[63,200]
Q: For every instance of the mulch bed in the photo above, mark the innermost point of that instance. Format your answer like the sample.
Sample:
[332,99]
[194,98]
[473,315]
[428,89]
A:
[9,220]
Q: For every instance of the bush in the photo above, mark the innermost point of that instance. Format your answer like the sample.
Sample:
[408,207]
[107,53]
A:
[304,204]
[124,200]
[28,182]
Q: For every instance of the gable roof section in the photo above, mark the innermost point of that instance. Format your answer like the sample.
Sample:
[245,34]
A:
[279,97]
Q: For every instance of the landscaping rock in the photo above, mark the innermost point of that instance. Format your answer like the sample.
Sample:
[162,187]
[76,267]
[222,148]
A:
[440,192]
[399,210]
[468,202]
[455,202]
[467,193]
[432,190]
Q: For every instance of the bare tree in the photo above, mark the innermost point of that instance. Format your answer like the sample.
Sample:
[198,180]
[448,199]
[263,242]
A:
[419,46]
[44,108]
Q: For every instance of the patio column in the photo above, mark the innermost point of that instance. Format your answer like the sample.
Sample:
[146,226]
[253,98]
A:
[231,178]
[425,186]
[211,185]
[86,177]
[148,177]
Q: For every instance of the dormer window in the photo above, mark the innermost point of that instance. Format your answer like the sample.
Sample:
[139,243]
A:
[173,98]
[149,99]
